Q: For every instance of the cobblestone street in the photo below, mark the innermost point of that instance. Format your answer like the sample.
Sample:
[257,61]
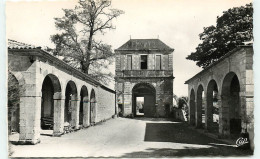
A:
[121,137]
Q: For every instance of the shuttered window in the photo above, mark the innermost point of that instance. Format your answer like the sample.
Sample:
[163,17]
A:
[129,62]
[158,62]
[165,61]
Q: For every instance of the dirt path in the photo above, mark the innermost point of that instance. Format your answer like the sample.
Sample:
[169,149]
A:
[129,138]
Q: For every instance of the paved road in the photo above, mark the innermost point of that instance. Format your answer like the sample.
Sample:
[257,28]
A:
[142,137]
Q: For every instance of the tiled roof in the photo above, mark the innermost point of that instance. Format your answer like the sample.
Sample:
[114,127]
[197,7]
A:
[12,44]
[145,44]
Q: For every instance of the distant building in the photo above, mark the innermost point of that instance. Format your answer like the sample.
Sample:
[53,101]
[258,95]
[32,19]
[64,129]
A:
[144,69]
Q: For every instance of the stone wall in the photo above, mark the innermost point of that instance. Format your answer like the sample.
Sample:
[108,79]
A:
[106,106]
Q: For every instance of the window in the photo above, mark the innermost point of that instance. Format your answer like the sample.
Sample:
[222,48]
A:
[129,62]
[143,62]
[158,62]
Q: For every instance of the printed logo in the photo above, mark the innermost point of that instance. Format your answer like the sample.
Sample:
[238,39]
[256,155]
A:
[241,141]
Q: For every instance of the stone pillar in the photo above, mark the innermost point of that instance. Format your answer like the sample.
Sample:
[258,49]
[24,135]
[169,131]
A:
[30,114]
[192,111]
[198,112]
[75,104]
[127,104]
[224,125]
[127,97]
[95,112]
[208,112]
[220,114]
[59,103]
[86,110]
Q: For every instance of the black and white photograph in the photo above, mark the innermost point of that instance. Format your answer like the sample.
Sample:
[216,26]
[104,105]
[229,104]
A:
[130,78]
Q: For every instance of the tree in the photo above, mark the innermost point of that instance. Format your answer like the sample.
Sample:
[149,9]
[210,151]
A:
[77,42]
[233,28]
[14,93]
[182,102]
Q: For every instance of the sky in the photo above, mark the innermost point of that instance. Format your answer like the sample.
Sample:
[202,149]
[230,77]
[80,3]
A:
[176,22]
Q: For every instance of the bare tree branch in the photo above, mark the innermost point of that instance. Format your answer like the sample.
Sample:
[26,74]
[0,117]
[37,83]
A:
[78,27]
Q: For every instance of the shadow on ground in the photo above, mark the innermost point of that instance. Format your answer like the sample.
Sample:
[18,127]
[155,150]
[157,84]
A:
[174,132]
[186,152]
[155,119]
[179,133]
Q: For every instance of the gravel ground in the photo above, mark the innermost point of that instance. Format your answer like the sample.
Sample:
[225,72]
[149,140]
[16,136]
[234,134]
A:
[121,137]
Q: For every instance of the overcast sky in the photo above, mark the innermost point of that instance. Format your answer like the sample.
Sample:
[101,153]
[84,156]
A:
[177,23]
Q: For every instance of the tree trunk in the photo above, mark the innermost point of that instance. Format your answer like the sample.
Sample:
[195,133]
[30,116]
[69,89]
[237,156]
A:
[89,48]
[84,66]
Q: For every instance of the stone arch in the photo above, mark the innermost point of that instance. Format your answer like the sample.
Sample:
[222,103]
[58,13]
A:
[55,81]
[50,103]
[70,109]
[92,107]
[146,93]
[199,109]
[231,106]
[14,92]
[84,108]
[212,107]
[192,106]
[19,76]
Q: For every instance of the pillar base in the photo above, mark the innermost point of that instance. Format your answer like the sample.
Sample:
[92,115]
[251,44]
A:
[29,142]
[57,134]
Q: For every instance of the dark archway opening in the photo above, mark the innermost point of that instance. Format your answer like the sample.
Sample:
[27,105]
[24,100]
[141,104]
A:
[235,115]
[192,107]
[212,120]
[47,108]
[51,105]
[70,102]
[143,100]
[231,106]
[200,108]
[92,107]
[83,112]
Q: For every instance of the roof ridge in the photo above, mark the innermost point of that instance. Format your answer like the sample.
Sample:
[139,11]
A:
[145,44]
[13,44]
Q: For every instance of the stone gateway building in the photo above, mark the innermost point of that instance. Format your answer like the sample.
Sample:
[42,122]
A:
[144,78]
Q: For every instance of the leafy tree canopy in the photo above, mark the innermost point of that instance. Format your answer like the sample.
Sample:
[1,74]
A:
[233,28]
[182,102]
[76,41]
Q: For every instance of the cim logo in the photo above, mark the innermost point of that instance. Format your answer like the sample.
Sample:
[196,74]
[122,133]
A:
[241,141]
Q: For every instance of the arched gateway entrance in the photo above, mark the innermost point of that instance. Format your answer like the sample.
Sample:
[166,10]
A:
[143,100]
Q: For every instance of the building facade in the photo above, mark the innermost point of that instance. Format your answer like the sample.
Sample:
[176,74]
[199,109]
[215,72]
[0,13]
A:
[221,97]
[53,94]
[144,78]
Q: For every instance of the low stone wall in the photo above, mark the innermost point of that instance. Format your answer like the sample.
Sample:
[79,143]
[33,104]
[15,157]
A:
[106,104]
